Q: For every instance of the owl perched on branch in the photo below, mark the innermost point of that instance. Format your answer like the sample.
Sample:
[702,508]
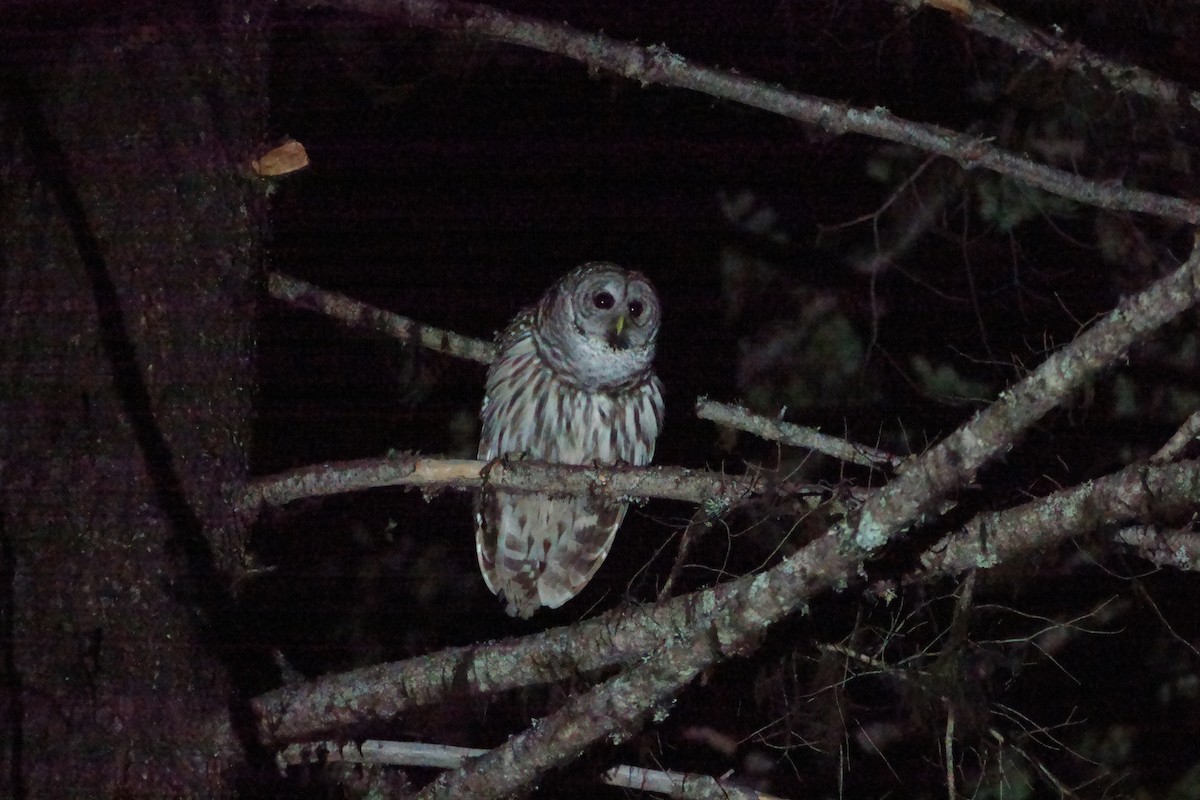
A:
[572,384]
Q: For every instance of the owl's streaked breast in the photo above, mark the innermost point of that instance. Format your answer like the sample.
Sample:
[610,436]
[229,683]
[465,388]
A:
[531,412]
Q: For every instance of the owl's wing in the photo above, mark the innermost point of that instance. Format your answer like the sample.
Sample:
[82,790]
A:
[575,557]
[538,551]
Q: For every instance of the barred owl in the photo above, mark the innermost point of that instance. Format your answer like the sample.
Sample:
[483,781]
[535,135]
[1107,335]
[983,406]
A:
[572,384]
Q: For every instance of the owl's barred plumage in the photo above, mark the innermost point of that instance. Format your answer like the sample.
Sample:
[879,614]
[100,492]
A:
[572,384]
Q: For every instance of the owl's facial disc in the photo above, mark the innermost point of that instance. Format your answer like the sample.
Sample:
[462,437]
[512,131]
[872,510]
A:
[617,307]
[598,325]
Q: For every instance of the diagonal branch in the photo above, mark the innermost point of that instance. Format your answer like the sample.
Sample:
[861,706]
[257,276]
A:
[988,20]
[337,703]
[1164,547]
[1138,493]
[953,462]
[616,709]
[793,435]
[356,314]
[1179,441]
[655,64]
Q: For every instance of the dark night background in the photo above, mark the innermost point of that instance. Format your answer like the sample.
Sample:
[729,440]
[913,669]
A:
[454,180]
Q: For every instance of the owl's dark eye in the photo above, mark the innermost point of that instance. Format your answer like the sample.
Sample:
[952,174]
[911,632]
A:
[635,309]
[603,300]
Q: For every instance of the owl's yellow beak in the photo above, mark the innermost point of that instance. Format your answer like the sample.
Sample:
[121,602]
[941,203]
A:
[616,338]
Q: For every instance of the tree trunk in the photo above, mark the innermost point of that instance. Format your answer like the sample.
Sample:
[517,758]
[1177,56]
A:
[129,239]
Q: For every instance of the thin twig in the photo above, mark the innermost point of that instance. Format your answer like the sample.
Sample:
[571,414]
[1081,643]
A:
[1033,761]
[793,435]
[655,64]
[897,671]
[1139,588]
[690,786]
[299,294]
[915,223]
[700,524]
[987,19]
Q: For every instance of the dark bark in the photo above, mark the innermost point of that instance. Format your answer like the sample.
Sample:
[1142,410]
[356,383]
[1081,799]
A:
[130,241]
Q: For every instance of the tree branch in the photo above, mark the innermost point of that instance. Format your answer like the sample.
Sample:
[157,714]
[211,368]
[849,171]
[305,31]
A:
[986,19]
[793,435]
[535,477]
[924,480]
[689,786]
[385,692]
[356,314]
[655,64]
[1179,441]
[1137,494]
[615,709]
[1166,547]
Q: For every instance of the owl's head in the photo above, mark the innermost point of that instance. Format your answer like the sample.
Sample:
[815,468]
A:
[596,327]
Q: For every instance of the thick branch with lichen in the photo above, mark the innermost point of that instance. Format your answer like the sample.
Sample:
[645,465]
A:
[1138,493]
[954,461]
